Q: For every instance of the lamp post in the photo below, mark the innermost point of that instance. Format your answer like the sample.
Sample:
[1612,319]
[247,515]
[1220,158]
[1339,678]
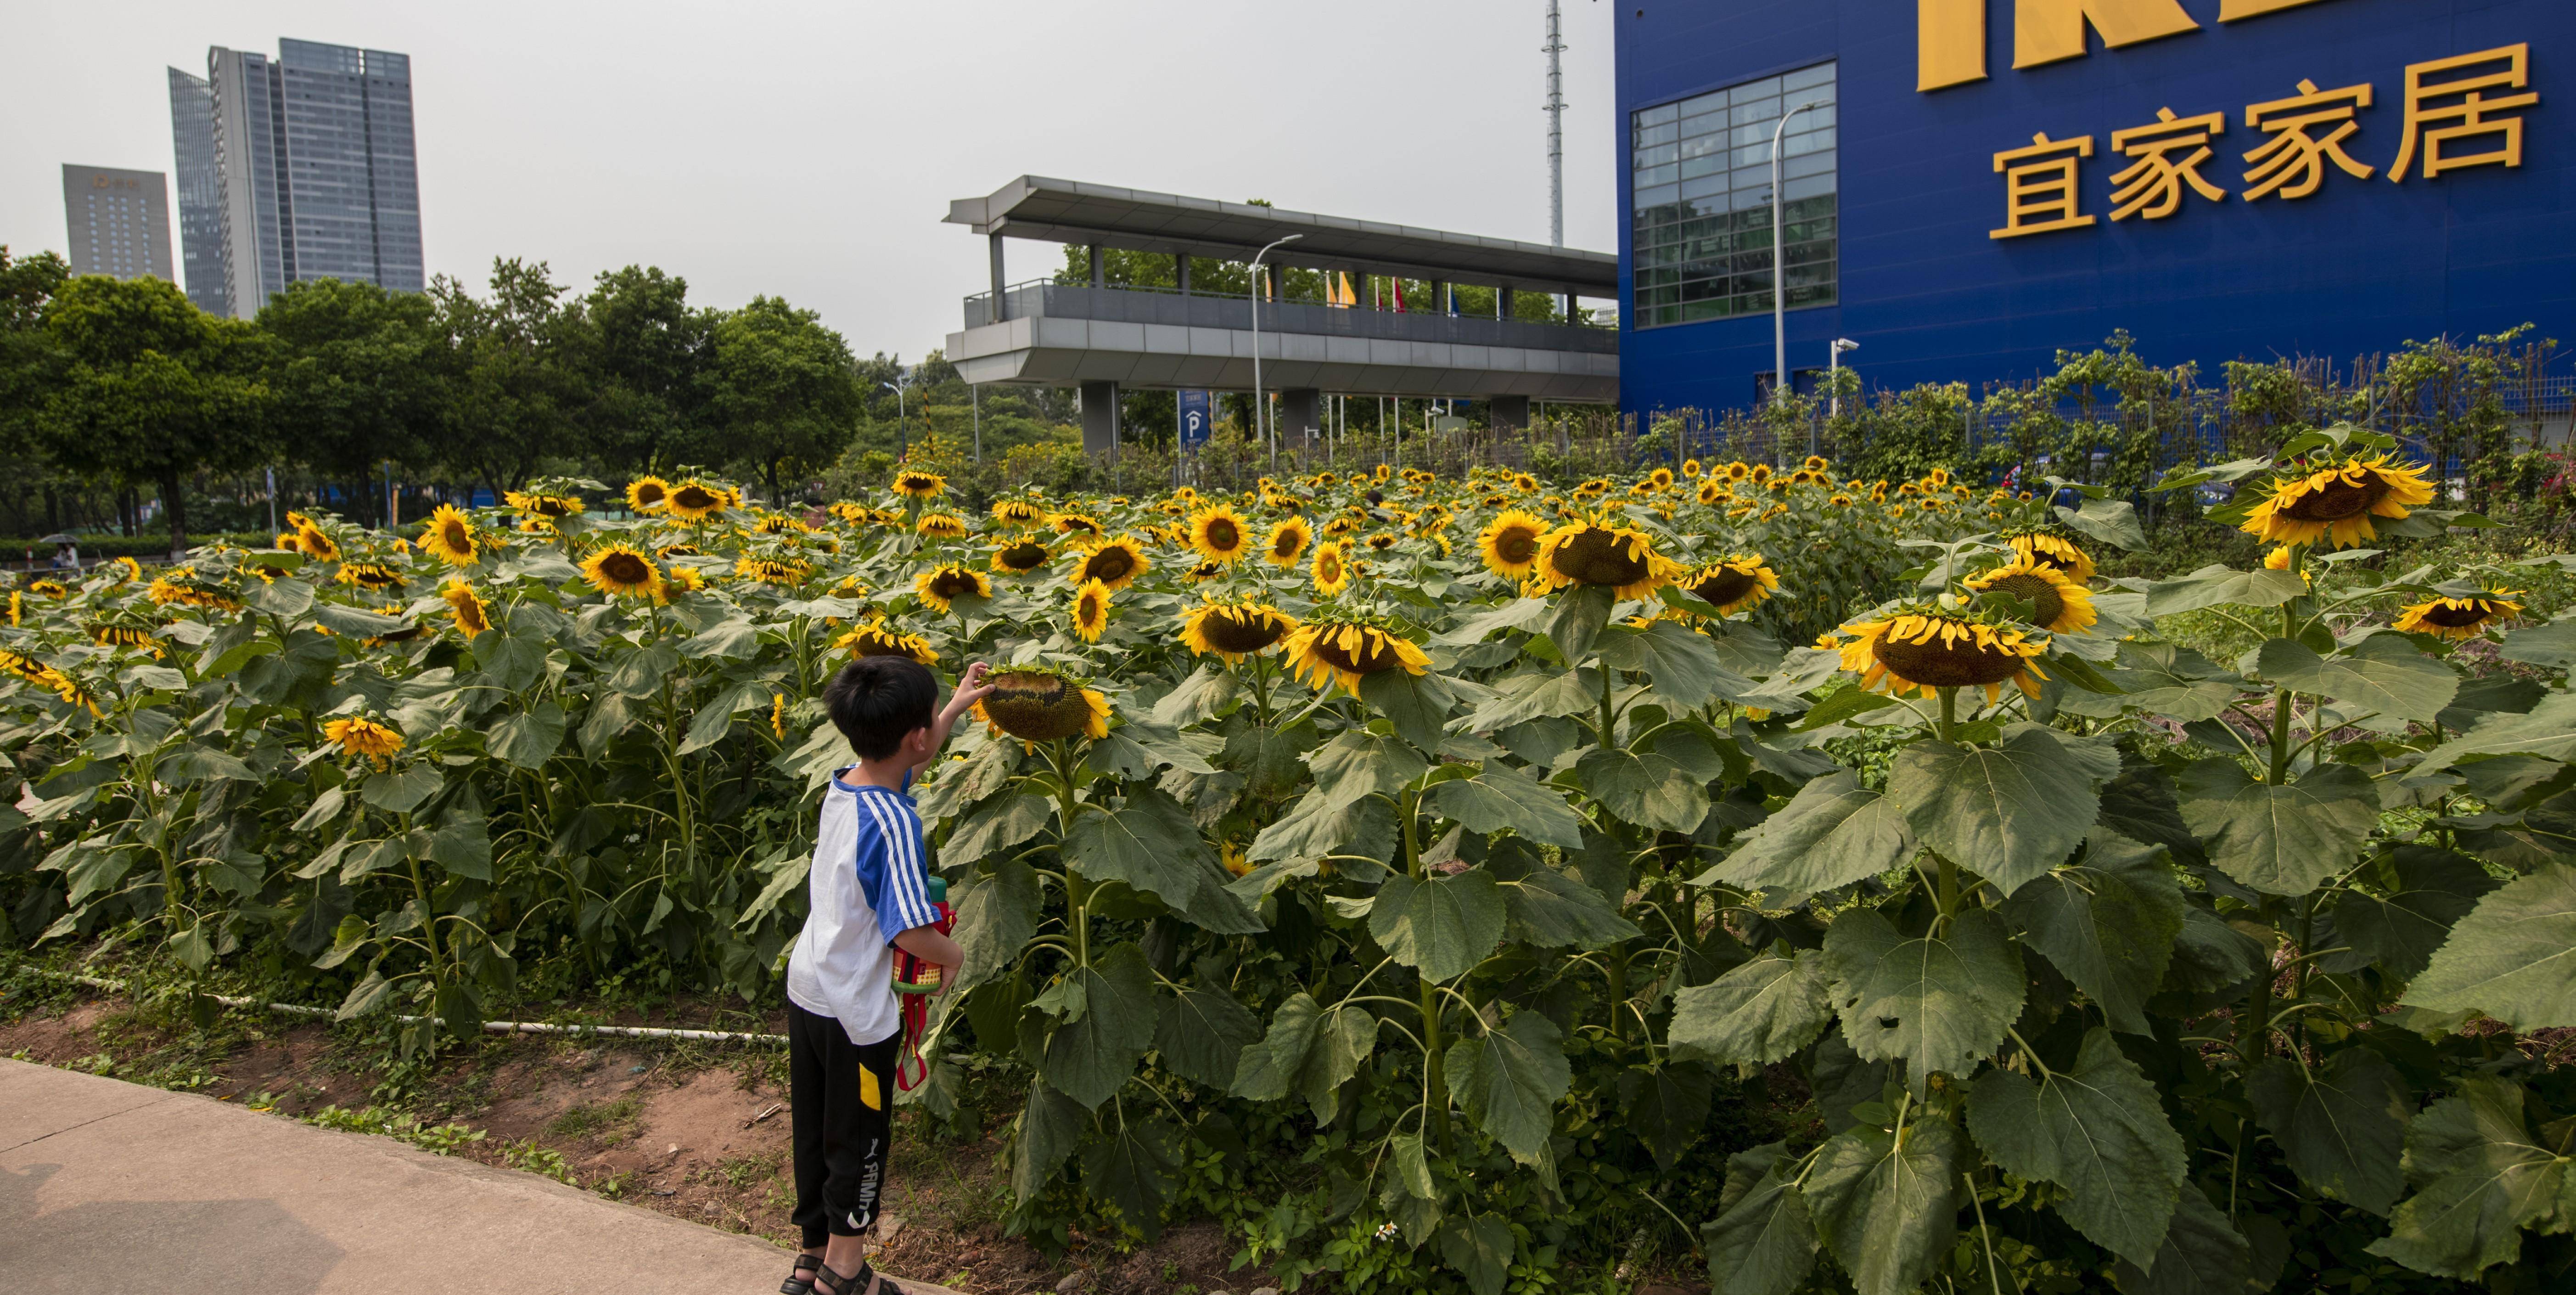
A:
[1779,257]
[1834,369]
[1260,411]
[902,430]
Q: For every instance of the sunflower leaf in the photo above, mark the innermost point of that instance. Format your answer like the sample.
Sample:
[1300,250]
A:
[1650,790]
[2513,957]
[1758,1013]
[1764,1242]
[1419,704]
[1499,796]
[1936,1002]
[1439,925]
[2214,585]
[1834,833]
[1576,619]
[2278,840]
[529,738]
[1885,1205]
[2480,1177]
[1509,1081]
[2096,1130]
[2341,1125]
[2012,811]
[2548,729]
[1151,843]
[1539,694]
[2109,923]
[2384,673]
[1091,1057]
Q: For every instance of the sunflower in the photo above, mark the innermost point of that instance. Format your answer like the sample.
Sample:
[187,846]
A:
[1346,650]
[360,736]
[2335,503]
[2058,603]
[1510,543]
[1019,512]
[874,639]
[1659,479]
[1115,563]
[778,715]
[1233,631]
[941,587]
[1381,542]
[1219,535]
[16,600]
[374,577]
[1204,572]
[696,501]
[1601,553]
[46,677]
[1525,483]
[1691,469]
[471,613]
[913,483]
[1919,649]
[1733,583]
[1288,541]
[1020,557]
[2460,618]
[449,537]
[49,588]
[647,494]
[771,571]
[687,580]
[181,585]
[942,526]
[127,636]
[542,504]
[618,569]
[849,512]
[1737,472]
[1331,569]
[1231,855]
[782,524]
[1090,611]
[1037,704]
[1076,524]
[2049,550]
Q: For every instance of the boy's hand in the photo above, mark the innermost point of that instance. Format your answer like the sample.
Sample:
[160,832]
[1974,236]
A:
[972,688]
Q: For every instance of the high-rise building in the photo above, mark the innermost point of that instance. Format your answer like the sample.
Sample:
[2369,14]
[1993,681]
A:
[201,191]
[313,169]
[119,221]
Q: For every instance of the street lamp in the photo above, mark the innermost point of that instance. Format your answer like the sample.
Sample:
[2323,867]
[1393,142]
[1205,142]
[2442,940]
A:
[1833,370]
[1260,411]
[902,432]
[1779,258]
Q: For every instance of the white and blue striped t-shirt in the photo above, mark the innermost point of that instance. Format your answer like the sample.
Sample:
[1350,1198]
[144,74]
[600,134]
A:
[866,886]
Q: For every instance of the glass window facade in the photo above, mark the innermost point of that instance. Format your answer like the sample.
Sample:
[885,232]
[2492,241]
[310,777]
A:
[1700,177]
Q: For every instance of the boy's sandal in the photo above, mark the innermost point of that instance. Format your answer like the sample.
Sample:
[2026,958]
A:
[797,1282]
[855,1285]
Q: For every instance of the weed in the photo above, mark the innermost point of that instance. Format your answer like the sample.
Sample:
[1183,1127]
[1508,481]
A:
[742,1171]
[528,1156]
[442,1139]
[606,1123]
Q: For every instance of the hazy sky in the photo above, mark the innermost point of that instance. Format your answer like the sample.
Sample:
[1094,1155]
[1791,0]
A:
[809,150]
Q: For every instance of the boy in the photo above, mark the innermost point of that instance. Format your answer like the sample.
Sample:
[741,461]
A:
[866,894]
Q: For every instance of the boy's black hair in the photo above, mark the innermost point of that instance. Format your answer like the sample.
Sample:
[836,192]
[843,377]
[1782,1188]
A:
[877,701]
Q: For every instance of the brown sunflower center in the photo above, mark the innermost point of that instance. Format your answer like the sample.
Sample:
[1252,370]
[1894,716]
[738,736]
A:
[1089,608]
[1241,632]
[1223,535]
[2337,499]
[625,568]
[649,493]
[1027,555]
[2455,616]
[548,506]
[693,497]
[1329,566]
[1286,544]
[1109,564]
[952,583]
[1516,544]
[1035,707]
[1373,656]
[2046,603]
[1724,587]
[1954,665]
[1597,556]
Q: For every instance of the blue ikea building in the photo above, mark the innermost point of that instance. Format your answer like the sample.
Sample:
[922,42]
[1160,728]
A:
[1971,185]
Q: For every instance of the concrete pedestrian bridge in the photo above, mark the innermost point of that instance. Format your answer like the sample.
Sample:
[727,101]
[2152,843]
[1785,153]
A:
[1107,338]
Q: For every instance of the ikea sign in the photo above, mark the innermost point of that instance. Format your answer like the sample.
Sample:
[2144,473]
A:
[1969,192]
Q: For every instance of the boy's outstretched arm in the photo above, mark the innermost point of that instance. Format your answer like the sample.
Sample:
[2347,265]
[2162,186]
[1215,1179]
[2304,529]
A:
[970,690]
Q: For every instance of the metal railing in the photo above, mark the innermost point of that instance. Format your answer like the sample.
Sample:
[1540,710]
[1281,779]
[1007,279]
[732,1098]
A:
[1151,305]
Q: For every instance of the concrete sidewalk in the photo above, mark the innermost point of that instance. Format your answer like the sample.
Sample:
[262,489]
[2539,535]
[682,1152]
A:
[110,1186]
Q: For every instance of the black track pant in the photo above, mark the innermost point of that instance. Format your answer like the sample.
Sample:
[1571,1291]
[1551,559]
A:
[841,1097]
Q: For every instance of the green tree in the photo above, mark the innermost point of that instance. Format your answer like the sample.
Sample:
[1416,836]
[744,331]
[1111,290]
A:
[356,378]
[647,352]
[516,394]
[783,390]
[151,389]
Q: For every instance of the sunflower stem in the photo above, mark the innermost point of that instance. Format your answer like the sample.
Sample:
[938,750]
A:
[1435,1090]
[1949,715]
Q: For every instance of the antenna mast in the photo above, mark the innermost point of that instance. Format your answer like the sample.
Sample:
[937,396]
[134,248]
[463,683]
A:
[1555,131]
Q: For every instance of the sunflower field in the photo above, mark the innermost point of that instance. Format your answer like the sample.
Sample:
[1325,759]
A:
[1484,883]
